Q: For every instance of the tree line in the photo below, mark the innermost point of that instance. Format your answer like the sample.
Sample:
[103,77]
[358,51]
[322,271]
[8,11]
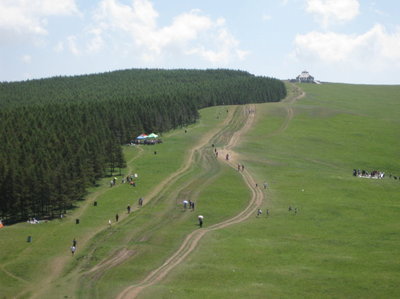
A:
[60,135]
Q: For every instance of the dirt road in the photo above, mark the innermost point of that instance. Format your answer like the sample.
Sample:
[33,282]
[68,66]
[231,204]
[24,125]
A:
[191,241]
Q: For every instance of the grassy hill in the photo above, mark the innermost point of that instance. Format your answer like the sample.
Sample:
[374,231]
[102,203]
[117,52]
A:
[342,242]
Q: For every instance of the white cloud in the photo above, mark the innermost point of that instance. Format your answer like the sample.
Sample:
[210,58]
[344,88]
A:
[333,11]
[21,17]
[96,43]
[224,49]
[135,26]
[374,50]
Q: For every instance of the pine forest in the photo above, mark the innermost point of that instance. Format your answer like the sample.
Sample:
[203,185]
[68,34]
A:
[60,135]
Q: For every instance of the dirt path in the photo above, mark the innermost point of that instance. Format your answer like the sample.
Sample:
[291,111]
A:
[298,93]
[192,240]
[189,159]
[123,254]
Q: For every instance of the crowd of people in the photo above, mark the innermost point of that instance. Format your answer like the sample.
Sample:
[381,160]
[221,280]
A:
[33,221]
[375,174]
[188,204]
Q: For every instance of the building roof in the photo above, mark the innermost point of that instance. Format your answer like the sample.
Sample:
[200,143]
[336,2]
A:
[304,74]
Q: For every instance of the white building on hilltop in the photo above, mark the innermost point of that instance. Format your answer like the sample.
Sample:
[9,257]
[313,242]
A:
[305,77]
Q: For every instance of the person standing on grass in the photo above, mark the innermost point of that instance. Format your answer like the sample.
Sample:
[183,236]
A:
[74,242]
[128,208]
[73,249]
[259,212]
[109,222]
[116,217]
[200,218]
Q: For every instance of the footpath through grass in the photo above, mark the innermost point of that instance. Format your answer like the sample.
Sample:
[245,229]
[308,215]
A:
[344,240]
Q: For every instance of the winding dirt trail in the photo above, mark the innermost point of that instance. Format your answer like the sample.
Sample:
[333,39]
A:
[122,255]
[191,241]
[298,93]
[188,161]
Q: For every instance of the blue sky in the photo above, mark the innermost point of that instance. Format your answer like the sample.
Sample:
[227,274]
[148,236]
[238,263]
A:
[351,41]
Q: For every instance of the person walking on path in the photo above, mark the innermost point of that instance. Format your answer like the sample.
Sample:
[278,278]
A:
[73,249]
[116,217]
[109,223]
[185,203]
[74,242]
[200,218]
[128,208]
[141,201]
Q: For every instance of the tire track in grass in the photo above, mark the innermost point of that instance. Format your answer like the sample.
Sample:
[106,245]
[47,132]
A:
[191,241]
[288,102]
[93,274]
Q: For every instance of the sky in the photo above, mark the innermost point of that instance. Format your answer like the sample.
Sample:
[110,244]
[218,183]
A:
[349,41]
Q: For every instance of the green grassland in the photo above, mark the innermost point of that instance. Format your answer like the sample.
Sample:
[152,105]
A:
[343,241]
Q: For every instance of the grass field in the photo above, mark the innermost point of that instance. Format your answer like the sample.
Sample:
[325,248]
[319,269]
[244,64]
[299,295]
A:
[343,241]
